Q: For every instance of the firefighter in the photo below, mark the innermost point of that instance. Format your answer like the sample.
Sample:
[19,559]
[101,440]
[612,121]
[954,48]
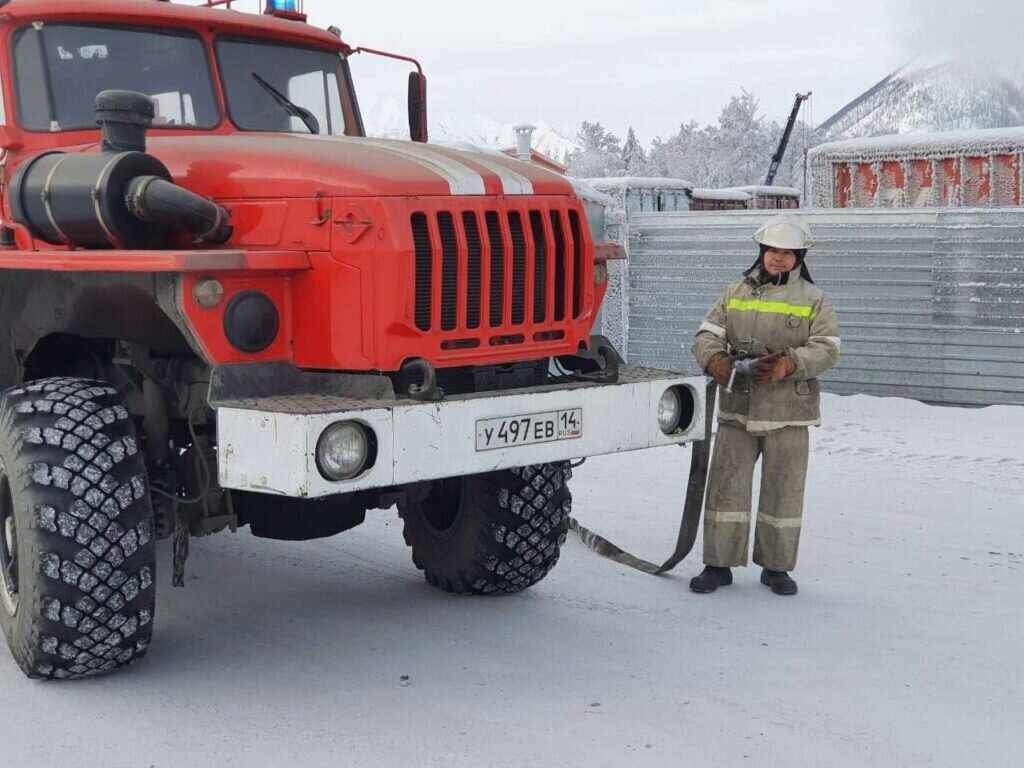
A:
[765,341]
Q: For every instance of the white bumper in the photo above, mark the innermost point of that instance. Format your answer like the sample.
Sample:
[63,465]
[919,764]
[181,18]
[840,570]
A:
[269,446]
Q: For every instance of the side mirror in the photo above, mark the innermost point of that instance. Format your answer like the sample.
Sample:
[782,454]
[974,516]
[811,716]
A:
[418,107]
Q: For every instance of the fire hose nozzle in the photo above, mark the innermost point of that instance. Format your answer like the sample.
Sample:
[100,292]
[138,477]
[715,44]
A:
[745,368]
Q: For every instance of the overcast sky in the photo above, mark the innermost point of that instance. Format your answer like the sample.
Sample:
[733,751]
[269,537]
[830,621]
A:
[656,63]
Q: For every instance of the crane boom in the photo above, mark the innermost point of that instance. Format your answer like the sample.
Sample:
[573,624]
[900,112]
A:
[784,142]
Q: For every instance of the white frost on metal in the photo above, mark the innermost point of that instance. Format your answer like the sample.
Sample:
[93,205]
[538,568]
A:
[954,181]
[942,285]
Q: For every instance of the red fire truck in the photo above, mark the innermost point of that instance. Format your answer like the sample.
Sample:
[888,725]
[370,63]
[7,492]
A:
[223,305]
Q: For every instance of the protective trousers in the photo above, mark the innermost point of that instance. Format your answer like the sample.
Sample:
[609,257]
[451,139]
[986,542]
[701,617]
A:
[727,513]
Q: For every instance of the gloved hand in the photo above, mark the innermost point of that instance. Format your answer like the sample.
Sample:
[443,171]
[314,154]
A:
[720,369]
[774,367]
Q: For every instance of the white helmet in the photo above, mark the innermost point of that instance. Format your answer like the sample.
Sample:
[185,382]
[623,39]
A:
[785,232]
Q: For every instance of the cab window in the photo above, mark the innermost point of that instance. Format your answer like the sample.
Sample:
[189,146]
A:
[59,69]
[309,78]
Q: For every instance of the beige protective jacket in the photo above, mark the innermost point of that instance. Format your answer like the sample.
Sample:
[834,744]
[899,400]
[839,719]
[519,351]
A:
[795,318]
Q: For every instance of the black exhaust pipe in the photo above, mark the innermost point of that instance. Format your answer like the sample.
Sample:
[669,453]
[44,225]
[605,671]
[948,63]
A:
[118,198]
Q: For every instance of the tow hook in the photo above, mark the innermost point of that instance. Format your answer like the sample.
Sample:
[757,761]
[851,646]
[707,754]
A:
[417,379]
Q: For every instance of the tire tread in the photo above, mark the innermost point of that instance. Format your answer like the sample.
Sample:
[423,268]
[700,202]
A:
[523,518]
[80,485]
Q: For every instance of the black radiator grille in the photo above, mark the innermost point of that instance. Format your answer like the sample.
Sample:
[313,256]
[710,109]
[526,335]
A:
[556,228]
[515,226]
[520,274]
[474,269]
[540,267]
[424,269]
[449,272]
[577,260]
[497,269]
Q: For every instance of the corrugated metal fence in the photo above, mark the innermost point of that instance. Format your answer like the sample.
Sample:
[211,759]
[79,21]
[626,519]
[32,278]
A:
[931,302]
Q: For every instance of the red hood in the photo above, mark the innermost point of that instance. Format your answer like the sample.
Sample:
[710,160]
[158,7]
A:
[276,166]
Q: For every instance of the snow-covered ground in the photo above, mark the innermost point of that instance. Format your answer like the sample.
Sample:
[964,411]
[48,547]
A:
[905,646]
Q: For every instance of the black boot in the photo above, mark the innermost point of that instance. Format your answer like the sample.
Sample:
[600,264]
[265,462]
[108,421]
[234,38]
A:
[710,579]
[779,581]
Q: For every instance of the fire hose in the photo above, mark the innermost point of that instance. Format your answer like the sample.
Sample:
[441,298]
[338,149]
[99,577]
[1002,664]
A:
[693,507]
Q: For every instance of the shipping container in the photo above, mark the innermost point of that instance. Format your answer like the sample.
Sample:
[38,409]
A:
[957,169]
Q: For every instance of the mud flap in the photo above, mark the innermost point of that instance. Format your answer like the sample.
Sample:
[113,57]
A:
[692,509]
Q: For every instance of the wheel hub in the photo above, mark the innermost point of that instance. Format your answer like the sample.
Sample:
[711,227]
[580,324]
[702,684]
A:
[8,548]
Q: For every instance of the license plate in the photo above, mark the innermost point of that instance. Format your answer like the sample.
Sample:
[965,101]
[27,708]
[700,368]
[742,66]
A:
[512,431]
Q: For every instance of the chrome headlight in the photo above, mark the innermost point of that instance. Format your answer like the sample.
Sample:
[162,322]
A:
[670,410]
[343,451]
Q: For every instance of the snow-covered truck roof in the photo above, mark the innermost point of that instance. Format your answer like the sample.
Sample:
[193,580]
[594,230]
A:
[923,145]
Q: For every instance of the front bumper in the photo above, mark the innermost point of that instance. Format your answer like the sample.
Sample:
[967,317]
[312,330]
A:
[269,445]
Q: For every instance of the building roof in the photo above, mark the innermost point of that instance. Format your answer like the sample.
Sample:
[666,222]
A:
[720,194]
[606,184]
[948,143]
[763,191]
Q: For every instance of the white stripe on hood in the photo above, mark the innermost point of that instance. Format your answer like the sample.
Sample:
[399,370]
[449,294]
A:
[461,178]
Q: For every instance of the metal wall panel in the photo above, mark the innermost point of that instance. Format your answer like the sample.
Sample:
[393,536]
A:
[931,302]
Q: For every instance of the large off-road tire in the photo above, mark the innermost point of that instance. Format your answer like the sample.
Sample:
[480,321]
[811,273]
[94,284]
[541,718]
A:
[77,558]
[488,534]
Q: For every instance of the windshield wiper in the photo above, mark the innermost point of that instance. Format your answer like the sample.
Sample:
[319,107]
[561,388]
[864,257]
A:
[290,106]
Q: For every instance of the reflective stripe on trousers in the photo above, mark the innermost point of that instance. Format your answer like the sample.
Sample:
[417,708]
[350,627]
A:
[783,455]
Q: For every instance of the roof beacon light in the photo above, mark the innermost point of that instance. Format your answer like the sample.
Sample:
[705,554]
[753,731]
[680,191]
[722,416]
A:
[285,9]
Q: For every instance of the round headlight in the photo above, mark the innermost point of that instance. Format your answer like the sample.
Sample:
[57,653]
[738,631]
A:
[670,409]
[342,451]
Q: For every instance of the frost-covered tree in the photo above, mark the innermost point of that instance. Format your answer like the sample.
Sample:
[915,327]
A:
[682,156]
[634,158]
[735,151]
[599,153]
[743,144]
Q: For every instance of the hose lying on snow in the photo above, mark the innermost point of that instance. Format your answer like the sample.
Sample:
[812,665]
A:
[692,509]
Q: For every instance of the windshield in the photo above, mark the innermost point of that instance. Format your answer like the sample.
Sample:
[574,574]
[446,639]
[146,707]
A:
[313,81]
[59,69]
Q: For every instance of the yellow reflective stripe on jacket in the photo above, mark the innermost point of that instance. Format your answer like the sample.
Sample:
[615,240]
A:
[771,308]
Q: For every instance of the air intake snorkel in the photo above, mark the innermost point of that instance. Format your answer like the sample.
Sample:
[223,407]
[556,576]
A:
[120,197]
